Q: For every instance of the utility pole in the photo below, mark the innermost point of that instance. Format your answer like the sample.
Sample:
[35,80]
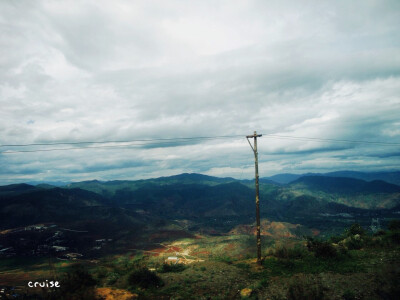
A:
[255,136]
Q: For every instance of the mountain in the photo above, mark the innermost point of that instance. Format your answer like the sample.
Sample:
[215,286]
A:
[196,197]
[110,188]
[189,200]
[67,206]
[52,183]
[342,185]
[389,177]
[283,178]
[349,191]
[13,189]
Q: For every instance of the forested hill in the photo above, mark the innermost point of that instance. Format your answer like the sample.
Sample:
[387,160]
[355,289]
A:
[389,177]
[191,196]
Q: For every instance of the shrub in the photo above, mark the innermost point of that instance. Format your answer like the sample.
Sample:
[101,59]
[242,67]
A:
[289,253]
[394,236]
[280,252]
[242,266]
[297,252]
[303,288]
[225,259]
[394,225]
[336,239]
[321,249]
[144,278]
[388,279]
[354,243]
[263,283]
[112,278]
[355,229]
[76,284]
[166,268]
[379,233]
[349,295]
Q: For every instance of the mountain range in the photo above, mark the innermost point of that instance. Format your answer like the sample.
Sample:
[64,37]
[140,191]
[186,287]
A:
[390,177]
[193,197]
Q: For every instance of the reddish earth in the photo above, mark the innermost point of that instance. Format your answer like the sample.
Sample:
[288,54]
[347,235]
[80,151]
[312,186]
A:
[114,294]
[201,252]
[158,251]
[170,234]
[229,247]
[176,249]
[315,232]
[272,229]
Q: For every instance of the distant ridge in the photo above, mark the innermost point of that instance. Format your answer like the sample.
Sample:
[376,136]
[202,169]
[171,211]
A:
[343,185]
[13,189]
[190,196]
[392,177]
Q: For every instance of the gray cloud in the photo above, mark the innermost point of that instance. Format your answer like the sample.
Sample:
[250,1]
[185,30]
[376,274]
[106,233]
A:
[99,70]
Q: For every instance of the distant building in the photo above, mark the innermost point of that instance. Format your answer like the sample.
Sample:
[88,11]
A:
[172,260]
[73,256]
[59,248]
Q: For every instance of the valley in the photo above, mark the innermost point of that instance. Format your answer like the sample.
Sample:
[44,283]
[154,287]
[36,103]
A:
[201,226]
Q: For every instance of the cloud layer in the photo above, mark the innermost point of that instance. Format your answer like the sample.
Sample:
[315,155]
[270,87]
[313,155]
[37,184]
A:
[123,70]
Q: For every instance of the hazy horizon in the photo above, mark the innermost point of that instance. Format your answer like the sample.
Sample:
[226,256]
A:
[61,183]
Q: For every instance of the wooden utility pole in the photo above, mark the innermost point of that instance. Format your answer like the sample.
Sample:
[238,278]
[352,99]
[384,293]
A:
[255,136]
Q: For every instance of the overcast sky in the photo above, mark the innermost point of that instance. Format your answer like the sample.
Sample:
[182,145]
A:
[75,71]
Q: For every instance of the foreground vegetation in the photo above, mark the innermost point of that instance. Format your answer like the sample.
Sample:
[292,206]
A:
[354,265]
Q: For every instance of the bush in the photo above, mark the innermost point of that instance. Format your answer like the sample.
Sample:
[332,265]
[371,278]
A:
[166,268]
[322,249]
[242,266]
[394,236]
[355,229]
[388,279]
[394,225]
[379,233]
[303,288]
[225,259]
[289,253]
[336,239]
[76,284]
[112,278]
[144,278]
[263,283]
[354,243]
[349,295]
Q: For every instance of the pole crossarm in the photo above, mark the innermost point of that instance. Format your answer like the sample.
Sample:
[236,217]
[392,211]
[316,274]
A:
[255,135]
[247,137]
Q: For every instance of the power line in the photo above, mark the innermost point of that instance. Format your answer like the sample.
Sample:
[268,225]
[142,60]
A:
[94,147]
[149,142]
[74,148]
[166,141]
[329,140]
[129,141]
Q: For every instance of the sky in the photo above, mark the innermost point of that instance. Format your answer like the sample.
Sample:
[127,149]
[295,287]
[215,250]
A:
[129,70]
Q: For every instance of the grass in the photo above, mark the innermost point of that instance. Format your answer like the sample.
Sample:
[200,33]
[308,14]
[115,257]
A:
[26,263]
[222,276]
[312,265]
[243,266]
[226,259]
[172,268]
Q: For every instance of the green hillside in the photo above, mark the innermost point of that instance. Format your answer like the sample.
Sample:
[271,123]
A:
[349,191]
